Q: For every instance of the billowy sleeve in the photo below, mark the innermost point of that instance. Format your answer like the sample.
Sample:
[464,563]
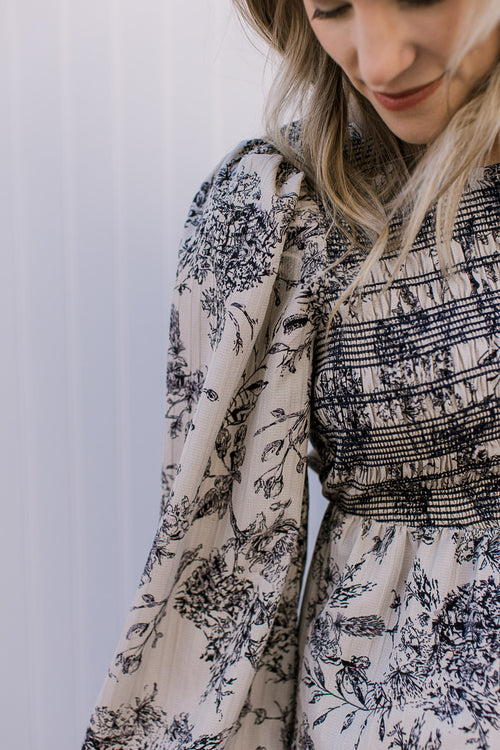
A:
[208,655]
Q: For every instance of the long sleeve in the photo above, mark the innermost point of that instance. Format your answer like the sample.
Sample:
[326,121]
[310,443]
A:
[207,657]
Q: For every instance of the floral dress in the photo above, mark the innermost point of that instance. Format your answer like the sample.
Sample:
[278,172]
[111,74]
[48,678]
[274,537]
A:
[401,622]
[398,644]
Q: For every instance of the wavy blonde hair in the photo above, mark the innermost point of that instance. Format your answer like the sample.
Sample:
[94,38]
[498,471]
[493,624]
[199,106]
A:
[311,87]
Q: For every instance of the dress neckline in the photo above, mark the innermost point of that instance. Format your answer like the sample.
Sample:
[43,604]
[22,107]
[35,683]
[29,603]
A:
[488,172]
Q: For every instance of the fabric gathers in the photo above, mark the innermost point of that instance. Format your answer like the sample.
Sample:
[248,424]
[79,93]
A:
[398,640]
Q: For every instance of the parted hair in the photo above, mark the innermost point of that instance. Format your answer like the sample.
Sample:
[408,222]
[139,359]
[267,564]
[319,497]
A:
[310,87]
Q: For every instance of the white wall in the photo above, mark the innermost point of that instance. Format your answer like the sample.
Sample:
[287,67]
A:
[111,114]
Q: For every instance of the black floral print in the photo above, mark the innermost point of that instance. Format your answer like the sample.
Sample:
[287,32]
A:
[405,423]
[219,592]
[398,644]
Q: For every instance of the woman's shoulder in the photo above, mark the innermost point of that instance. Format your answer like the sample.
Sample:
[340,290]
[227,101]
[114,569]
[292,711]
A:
[254,178]
[254,211]
[259,168]
[256,169]
[290,137]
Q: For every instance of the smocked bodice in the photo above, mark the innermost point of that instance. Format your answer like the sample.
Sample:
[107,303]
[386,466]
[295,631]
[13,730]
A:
[406,390]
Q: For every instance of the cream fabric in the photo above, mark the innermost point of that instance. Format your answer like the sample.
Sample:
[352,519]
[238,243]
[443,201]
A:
[230,544]
[399,640]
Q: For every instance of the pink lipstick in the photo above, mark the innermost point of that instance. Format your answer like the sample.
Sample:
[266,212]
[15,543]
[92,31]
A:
[407,99]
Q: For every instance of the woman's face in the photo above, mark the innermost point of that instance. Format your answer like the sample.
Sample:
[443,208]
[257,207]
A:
[396,52]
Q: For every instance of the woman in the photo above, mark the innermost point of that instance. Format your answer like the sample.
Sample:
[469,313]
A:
[339,282]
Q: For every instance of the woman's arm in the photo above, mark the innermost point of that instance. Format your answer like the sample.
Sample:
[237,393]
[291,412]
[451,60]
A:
[209,647]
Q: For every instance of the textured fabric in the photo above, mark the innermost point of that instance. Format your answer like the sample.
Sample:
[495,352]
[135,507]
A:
[208,656]
[399,640]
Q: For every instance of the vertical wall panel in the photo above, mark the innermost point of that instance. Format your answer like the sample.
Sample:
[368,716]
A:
[16,693]
[41,279]
[120,261]
[87,45]
[112,112]
[75,407]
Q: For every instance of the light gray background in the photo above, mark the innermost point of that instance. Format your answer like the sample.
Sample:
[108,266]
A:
[111,114]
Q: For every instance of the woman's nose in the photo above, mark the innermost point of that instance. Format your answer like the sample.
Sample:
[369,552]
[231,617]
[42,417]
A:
[384,50]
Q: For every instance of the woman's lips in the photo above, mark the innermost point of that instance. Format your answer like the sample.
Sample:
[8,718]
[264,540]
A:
[407,99]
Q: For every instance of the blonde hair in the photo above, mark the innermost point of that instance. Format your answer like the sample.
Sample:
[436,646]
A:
[313,87]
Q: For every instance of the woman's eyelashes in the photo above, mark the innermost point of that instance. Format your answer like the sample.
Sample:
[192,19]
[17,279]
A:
[342,9]
[333,13]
